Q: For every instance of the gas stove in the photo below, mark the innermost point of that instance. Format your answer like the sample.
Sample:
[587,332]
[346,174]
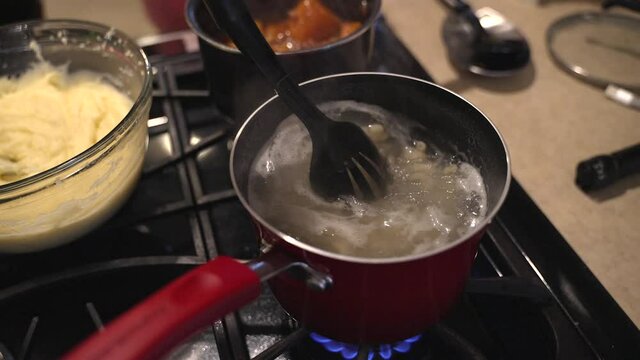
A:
[529,297]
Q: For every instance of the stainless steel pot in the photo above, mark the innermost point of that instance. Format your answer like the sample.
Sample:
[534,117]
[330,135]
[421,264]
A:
[235,84]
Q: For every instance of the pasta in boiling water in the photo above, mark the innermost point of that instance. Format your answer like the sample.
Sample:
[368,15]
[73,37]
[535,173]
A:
[431,200]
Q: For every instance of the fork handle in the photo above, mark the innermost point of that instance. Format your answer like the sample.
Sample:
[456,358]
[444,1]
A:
[234,18]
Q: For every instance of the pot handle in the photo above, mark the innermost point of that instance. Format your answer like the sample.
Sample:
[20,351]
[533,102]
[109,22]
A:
[169,316]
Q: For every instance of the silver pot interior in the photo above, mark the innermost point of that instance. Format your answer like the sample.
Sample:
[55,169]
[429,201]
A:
[439,117]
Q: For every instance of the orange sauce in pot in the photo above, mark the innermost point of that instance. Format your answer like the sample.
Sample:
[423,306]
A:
[308,24]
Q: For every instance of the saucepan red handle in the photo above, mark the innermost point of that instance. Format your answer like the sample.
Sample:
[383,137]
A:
[169,316]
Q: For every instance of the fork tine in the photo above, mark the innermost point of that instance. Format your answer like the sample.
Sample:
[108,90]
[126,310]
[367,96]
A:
[375,189]
[373,164]
[354,184]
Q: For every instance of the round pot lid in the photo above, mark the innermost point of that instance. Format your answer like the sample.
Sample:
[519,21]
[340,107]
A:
[599,48]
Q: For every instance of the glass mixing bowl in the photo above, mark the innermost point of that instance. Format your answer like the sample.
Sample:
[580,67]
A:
[63,203]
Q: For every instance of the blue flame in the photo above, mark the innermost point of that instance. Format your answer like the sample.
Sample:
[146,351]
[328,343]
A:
[350,351]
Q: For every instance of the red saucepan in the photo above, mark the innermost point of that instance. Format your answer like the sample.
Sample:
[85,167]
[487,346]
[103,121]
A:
[347,298]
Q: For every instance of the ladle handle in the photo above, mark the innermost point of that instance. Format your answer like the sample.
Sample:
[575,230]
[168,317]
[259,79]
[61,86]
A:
[234,18]
[463,9]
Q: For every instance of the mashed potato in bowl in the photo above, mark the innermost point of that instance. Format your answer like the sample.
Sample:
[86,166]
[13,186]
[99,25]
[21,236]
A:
[73,129]
[48,116]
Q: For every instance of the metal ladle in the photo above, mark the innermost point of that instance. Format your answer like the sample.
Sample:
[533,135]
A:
[483,42]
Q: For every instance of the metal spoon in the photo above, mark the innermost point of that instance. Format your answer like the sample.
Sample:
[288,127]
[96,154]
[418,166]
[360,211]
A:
[483,42]
[344,161]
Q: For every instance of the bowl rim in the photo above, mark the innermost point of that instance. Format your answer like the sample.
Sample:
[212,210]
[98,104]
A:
[190,16]
[364,260]
[112,135]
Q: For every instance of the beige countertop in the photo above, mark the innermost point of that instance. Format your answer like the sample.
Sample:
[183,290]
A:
[550,120]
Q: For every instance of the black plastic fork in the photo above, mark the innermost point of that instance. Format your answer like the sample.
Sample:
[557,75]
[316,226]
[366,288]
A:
[344,161]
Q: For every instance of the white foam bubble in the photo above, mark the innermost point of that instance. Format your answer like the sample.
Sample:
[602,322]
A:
[290,145]
[471,180]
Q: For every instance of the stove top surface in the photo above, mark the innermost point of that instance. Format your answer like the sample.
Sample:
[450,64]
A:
[530,296]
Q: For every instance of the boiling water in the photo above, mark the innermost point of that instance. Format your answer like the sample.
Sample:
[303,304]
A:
[431,200]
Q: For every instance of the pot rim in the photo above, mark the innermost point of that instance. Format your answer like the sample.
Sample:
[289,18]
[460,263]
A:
[362,260]
[190,15]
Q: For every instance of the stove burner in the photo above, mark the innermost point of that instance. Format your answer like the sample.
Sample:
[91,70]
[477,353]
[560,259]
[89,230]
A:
[351,351]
